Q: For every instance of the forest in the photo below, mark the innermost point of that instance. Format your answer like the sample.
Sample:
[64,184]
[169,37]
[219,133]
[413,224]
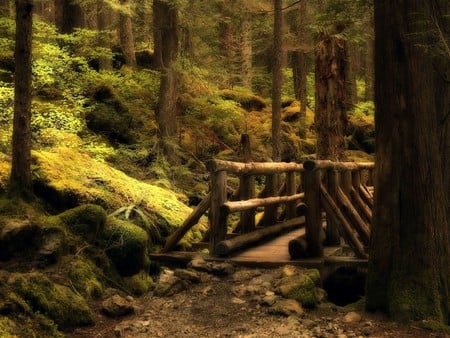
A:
[111,110]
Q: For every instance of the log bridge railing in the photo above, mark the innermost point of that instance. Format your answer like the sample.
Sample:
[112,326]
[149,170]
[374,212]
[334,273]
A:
[294,195]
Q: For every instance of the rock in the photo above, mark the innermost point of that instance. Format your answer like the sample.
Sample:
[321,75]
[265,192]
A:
[117,306]
[352,317]
[188,275]
[301,288]
[126,245]
[86,220]
[286,307]
[17,236]
[218,269]
[52,247]
[169,284]
[288,271]
[139,283]
[83,275]
[58,302]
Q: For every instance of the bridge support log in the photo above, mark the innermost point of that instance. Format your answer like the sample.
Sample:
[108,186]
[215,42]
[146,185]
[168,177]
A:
[332,209]
[298,247]
[228,246]
[217,218]
[189,222]
[314,211]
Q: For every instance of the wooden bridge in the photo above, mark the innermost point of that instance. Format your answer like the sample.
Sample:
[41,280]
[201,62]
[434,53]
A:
[308,213]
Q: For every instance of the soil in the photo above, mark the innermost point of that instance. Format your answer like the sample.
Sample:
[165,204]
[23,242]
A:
[213,308]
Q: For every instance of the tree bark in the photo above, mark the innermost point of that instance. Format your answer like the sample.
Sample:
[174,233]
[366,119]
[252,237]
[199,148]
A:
[276,82]
[5,9]
[104,23]
[20,180]
[126,34]
[69,15]
[409,254]
[165,23]
[330,109]
[246,50]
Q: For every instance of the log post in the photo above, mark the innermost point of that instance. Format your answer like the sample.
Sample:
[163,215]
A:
[313,228]
[246,189]
[270,211]
[332,232]
[218,224]
[291,189]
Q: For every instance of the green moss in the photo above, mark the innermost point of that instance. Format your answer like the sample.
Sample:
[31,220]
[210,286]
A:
[302,289]
[86,220]
[8,328]
[84,276]
[55,301]
[126,245]
[139,283]
[314,274]
[245,98]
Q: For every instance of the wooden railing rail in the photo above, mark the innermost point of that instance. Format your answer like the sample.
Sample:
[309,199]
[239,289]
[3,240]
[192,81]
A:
[220,208]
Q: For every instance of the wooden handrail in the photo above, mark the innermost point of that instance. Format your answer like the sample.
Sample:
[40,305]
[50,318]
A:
[252,168]
[235,206]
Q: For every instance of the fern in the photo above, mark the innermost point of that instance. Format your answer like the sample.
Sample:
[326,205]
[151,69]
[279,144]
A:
[139,217]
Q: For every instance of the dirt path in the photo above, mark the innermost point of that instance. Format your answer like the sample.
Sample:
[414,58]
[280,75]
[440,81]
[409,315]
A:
[238,305]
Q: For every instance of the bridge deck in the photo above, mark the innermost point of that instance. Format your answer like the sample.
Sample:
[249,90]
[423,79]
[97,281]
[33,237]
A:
[270,253]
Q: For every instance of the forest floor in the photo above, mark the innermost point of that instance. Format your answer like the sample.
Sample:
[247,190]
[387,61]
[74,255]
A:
[236,305]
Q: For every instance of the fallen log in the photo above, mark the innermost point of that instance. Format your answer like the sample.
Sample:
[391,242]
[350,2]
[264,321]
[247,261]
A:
[228,246]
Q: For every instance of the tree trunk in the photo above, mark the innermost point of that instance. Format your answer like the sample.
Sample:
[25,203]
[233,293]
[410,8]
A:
[104,13]
[409,254]
[20,180]
[165,23]
[69,15]
[5,9]
[441,19]
[126,34]
[299,56]
[246,50]
[368,71]
[276,82]
[351,69]
[330,109]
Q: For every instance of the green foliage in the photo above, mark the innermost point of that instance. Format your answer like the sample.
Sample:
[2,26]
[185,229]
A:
[140,217]
[364,109]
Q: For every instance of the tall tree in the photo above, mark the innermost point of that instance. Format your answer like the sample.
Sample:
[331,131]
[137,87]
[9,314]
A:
[246,49]
[126,34]
[276,81]
[68,15]
[104,25]
[165,30]
[297,19]
[330,117]
[409,254]
[20,180]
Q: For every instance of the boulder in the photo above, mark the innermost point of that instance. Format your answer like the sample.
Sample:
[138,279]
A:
[87,220]
[126,245]
[117,306]
[58,302]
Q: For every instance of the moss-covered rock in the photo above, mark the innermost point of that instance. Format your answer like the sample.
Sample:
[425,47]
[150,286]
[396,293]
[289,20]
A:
[87,220]
[126,245]
[55,301]
[139,283]
[85,277]
[301,288]
[17,236]
[245,98]
[65,183]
